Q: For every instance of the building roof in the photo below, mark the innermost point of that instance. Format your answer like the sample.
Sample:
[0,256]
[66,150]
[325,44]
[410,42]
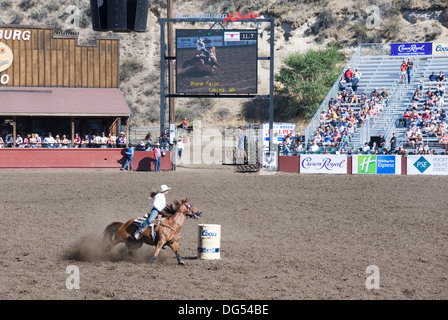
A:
[60,102]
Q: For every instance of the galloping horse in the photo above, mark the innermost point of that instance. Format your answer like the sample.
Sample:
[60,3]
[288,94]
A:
[167,231]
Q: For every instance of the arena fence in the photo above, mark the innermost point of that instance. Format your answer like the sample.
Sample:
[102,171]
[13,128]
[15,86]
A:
[112,158]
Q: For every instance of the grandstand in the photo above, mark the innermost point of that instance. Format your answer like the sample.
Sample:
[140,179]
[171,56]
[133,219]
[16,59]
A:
[379,69]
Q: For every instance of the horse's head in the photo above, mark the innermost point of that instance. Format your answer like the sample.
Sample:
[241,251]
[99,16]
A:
[189,210]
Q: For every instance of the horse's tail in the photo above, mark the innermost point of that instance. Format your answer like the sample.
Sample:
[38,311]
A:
[110,231]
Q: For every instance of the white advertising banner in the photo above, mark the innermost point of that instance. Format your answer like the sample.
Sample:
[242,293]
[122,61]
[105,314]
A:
[321,163]
[427,165]
[440,49]
[280,131]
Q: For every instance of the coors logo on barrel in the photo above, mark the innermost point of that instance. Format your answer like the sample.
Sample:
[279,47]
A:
[207,233]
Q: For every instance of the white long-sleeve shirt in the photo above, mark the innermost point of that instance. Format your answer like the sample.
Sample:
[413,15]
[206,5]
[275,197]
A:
[159,201]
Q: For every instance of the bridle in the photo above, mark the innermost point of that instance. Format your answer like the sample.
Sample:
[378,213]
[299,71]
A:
[192,214]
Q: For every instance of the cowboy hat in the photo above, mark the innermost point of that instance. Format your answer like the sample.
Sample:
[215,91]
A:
[164,188]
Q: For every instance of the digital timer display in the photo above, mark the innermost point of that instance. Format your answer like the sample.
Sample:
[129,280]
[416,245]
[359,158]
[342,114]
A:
[216,61]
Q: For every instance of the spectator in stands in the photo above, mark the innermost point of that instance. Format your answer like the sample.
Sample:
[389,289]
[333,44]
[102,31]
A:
[393,143]
[344,140]
[348,75]
[64,141]
[432,79]
[403,69]
[426,116]
[93,141]
[121,140]
[9,140]
[419,141]
[102,141]
[385,94]
[409,68]
[85,142]
[440,90]
[2,143]
[111,140]
[410,137]
[375,93]
[33,140]
[371,111]
[417,96]
[57,141]
[406,119]
[443,116]
[366,148]
[374,147]
[420,85]
[381,141]
[314,147]
[26,141]
[342,84]
[77,141]
[444,140]
[323,116]
[440,77]
[361,117]
[400,151]
[298,148]
[356,79]
[19,141]
[49,141]
[327,137]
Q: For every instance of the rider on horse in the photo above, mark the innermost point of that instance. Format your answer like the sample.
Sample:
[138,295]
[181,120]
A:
[159,204]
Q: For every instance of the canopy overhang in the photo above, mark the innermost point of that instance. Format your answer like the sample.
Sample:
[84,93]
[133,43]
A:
[63,102]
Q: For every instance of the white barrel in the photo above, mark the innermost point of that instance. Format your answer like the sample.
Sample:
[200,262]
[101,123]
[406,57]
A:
[209,241]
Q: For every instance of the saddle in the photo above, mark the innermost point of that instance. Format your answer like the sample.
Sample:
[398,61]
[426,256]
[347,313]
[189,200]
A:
[139,220]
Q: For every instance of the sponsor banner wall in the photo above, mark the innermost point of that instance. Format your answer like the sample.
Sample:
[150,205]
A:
[376,164]
[411,49]
[326,164]
[427,165]
[440,49]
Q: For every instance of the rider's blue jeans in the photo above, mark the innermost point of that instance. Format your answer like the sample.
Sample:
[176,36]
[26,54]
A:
[152,215]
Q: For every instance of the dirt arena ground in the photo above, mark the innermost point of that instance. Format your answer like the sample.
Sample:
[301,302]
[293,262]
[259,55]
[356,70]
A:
[284,236]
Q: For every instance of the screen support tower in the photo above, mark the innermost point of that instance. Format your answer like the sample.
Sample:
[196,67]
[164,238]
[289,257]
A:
[166,81]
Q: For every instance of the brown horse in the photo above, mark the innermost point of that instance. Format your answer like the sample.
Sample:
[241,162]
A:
[167,232]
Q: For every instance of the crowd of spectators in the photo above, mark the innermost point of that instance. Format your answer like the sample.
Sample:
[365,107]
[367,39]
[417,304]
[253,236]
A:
[35,140]
[347,112]
[426,116]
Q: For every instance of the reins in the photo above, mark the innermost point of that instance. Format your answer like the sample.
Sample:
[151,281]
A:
[178,233]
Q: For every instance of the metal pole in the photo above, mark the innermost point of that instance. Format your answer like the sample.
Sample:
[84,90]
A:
[162,76]
[271,90]
[171,62]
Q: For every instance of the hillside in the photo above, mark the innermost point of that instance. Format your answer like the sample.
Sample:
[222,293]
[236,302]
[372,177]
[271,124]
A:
[300,25]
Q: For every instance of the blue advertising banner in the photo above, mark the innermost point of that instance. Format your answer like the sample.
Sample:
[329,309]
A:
[410,49]
[385,164]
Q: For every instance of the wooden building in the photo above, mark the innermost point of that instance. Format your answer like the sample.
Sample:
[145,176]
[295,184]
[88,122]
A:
[50,83]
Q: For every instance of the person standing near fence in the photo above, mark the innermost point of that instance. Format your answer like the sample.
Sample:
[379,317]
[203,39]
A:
[180,147]
[157,156]
[129,158]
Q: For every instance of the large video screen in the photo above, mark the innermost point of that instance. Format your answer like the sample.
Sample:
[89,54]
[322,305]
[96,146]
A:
[216,61]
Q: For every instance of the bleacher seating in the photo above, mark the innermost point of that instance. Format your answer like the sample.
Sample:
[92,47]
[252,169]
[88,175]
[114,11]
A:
[384,71]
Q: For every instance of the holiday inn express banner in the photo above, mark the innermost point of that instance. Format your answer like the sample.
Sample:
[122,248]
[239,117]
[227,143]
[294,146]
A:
[376,164]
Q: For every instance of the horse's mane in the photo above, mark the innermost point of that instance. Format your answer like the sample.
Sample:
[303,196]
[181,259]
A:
[171,208]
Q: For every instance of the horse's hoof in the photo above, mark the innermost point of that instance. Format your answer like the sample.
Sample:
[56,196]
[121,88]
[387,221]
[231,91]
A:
[153,260]
[181,262]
